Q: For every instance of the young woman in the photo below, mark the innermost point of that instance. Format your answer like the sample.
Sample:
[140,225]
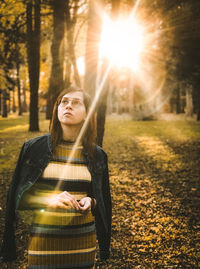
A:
[66,188]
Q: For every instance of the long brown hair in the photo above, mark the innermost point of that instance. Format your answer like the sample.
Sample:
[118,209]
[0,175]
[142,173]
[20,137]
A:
[89,136]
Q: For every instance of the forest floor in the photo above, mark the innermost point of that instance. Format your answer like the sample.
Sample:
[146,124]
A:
[155,186]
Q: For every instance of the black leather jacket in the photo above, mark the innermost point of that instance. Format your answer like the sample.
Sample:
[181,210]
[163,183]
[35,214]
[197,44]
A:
[34,157]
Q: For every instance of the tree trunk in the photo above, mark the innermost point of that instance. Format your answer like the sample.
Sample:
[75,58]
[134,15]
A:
[67,73]
[8,104]
[189,104]
[115,9]
[178,105]
[196,97]
[131,93]
[56,82]
[13,101]
[92,46]
[198,103]
[71,45]
[102,105]
[1,102]
[101,114]
[24,104]
[19,91]
[33,52]
[4,104]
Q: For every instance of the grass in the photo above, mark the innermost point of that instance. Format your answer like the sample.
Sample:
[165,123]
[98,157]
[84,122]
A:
[173,130]
[14,132]
[13,121]
[161,134]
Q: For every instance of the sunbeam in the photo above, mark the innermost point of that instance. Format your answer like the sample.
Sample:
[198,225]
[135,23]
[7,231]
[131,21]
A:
[122,42]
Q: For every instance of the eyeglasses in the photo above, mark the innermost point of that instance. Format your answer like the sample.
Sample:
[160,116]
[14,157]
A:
[75,103]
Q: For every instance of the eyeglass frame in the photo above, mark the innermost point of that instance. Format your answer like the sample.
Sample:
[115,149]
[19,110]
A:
[75,102]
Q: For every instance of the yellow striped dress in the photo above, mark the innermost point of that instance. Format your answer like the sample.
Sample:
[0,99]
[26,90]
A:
[62,238]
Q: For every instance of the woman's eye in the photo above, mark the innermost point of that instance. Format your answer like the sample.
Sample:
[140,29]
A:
[75,102]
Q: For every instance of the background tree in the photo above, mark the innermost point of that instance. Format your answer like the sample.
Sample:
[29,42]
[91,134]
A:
[11,46]
[56,82]
[92,45]
[102,102]
[172,25]
[33,55]
[183,21]
[71,20]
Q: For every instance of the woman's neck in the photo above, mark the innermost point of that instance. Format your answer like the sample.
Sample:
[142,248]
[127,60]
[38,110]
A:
[70,133]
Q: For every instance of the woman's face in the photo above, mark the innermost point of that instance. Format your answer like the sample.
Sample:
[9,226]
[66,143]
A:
[71,110]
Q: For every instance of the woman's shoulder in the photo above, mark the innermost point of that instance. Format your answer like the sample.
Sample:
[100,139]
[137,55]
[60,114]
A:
[101,152]
[36,139]
[39,141]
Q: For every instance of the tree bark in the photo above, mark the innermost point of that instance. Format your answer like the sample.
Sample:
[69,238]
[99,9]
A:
[33,52]
[189,104]
[101,114]
[178,105]
[102,105]
[71,45]
[56,82]
[92,46]
[19,91]
[13,101]
[4,104]
[24,104]
[198,102]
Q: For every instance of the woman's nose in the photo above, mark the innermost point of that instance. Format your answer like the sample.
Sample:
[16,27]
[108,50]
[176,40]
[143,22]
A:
[69,104]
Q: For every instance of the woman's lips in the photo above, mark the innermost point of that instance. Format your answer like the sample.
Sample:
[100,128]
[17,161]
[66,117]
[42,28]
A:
[68,114]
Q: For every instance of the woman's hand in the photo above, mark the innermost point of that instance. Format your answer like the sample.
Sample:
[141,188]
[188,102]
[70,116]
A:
[64,200]
[85,204]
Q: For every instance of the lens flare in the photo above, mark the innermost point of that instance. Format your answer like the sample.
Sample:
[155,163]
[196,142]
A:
[122,42]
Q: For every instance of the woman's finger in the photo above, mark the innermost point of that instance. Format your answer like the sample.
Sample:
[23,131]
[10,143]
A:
[69,199]
[64,200]
[85,204]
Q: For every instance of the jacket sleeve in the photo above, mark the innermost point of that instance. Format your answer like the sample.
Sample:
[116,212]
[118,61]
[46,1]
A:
[8,247]
[103,235]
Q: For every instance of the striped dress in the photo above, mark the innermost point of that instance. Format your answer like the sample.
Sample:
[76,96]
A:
[62,238]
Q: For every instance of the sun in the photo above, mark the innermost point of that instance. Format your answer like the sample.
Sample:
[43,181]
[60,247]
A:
[122,42]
